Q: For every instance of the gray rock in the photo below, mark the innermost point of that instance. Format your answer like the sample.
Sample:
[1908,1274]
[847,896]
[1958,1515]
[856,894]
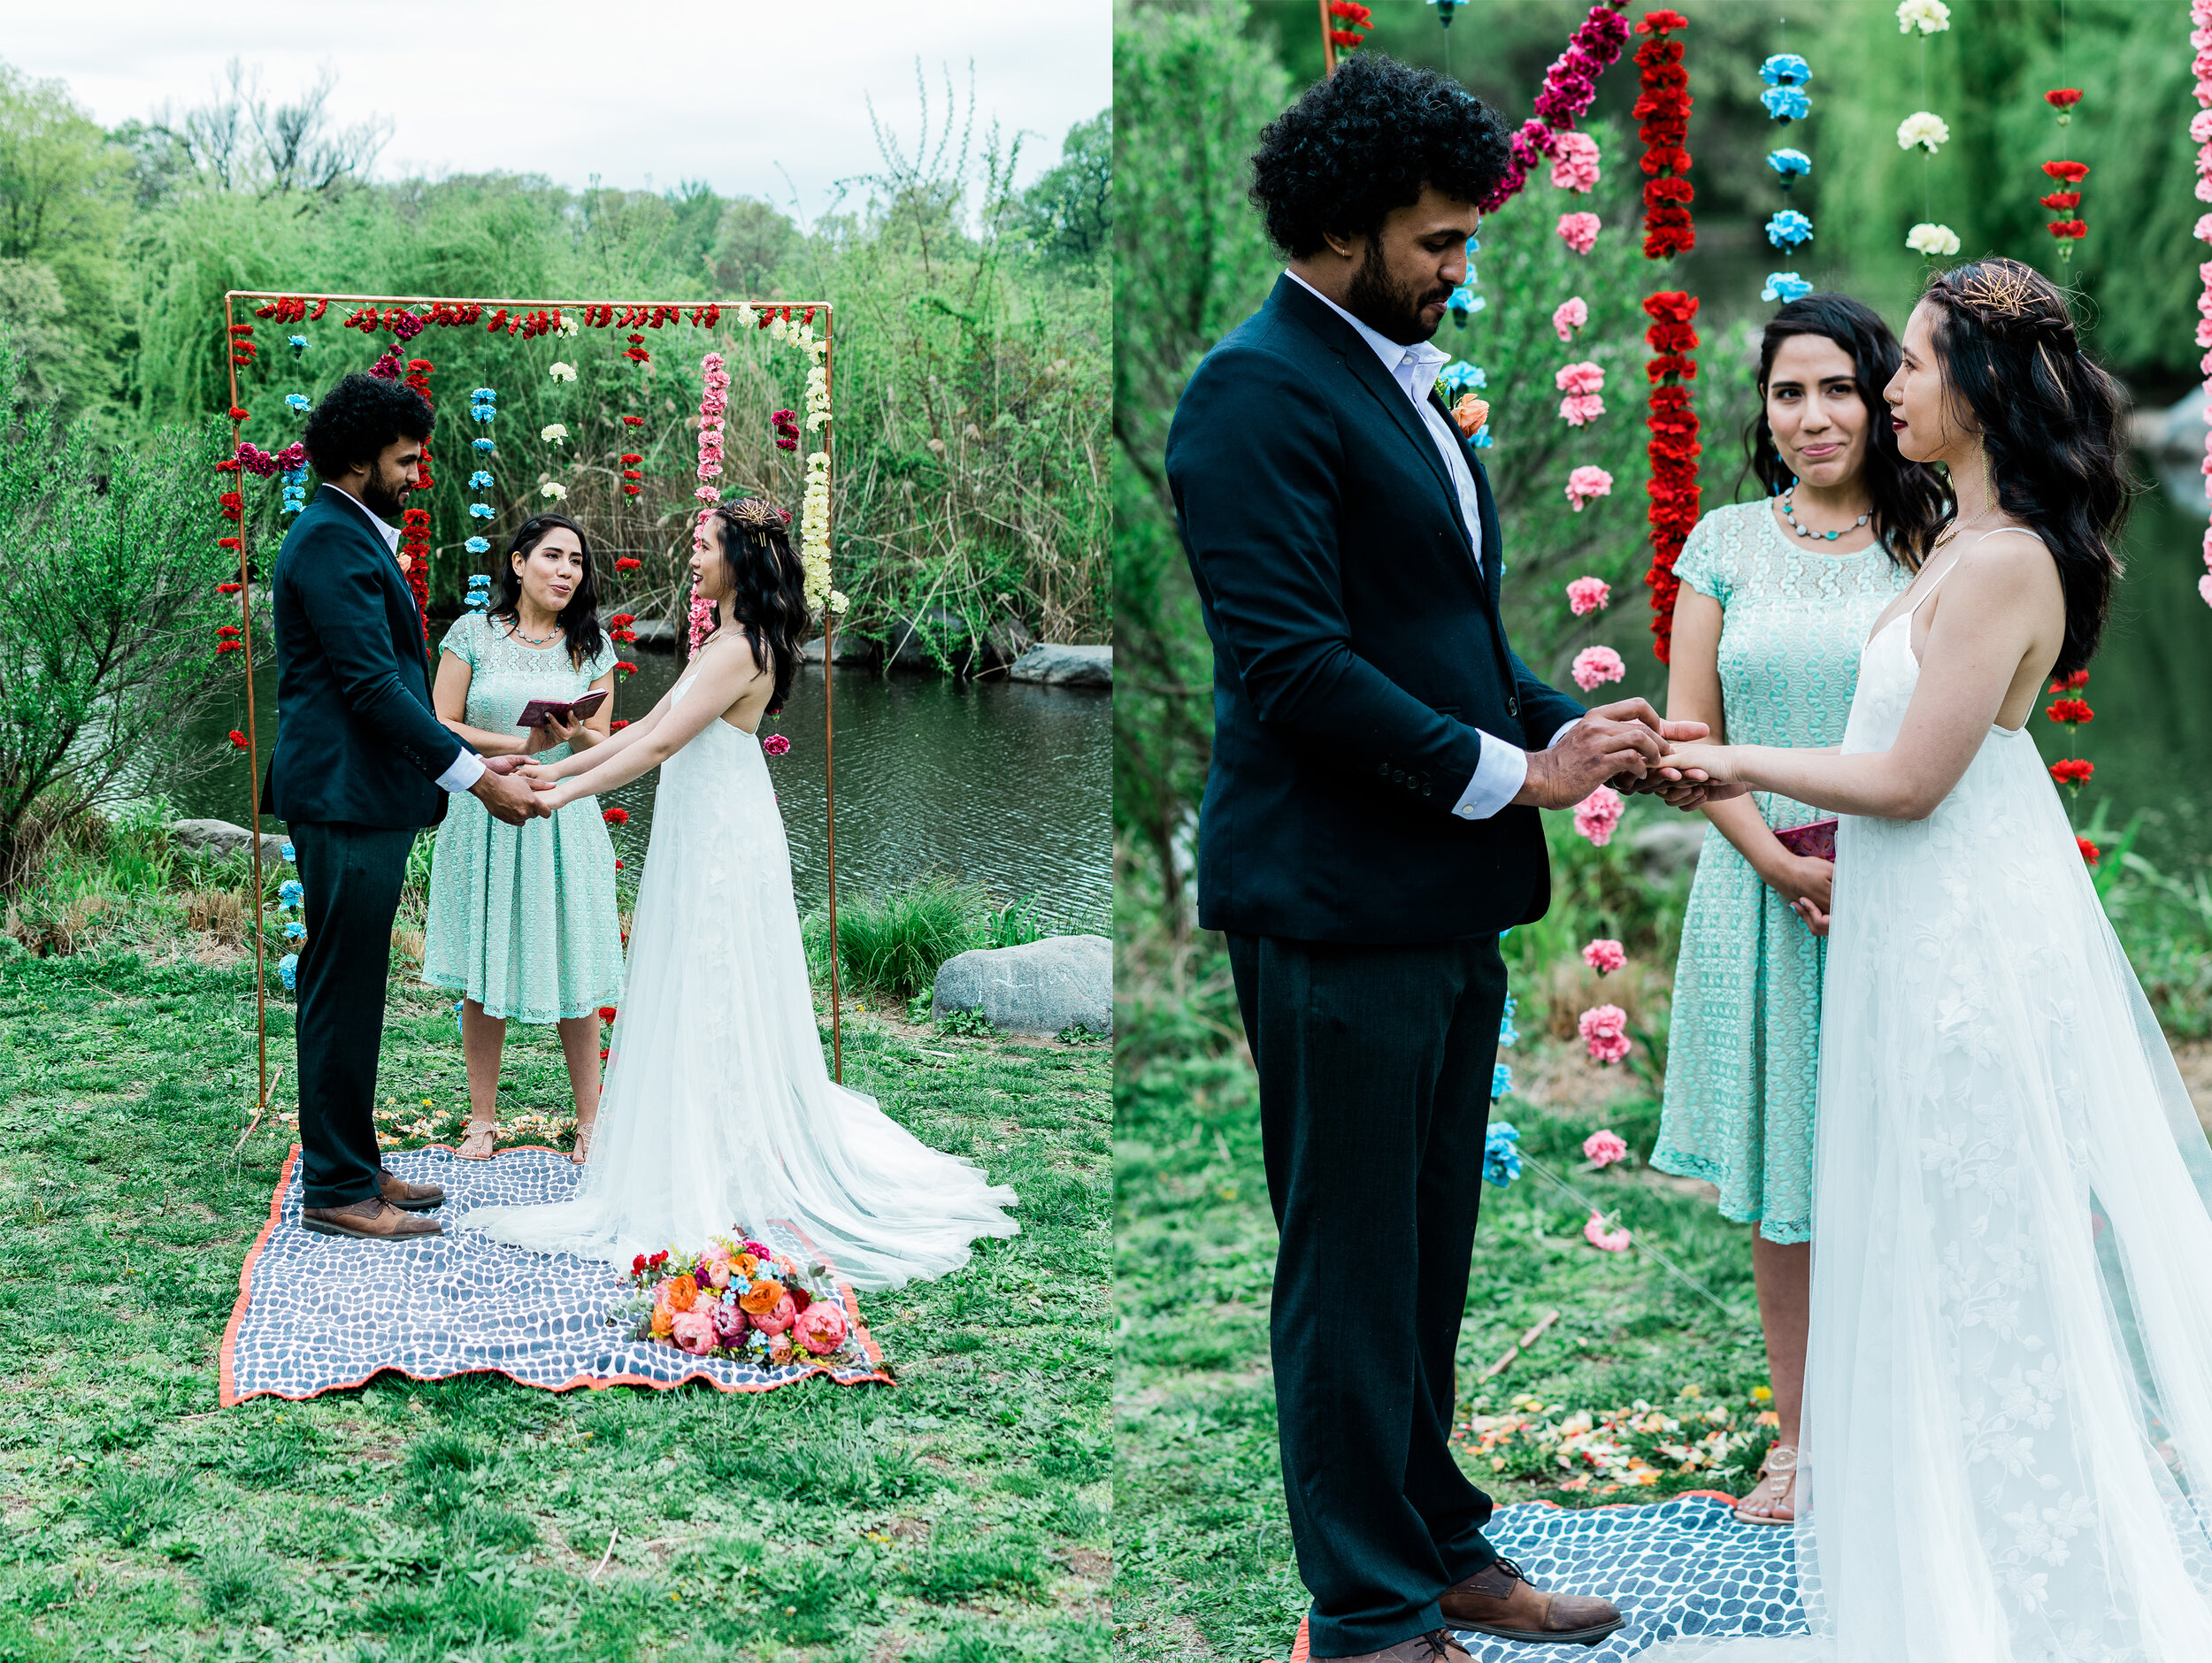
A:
[1042,987]
[851,649]
[1059,666]
[1665,847]
[910,639]
[221,837]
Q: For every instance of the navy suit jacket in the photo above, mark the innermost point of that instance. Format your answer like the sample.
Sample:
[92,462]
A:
[358,739]
[1357,649]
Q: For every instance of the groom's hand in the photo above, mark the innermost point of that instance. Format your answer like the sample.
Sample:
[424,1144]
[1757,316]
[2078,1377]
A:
[503,765]
[509,798]
[1597,748]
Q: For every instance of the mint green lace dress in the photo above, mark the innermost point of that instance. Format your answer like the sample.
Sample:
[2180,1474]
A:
[523,918]
[1743,1051]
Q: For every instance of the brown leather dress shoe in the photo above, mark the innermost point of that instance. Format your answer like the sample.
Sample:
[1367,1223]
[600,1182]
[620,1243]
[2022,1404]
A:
[1498,1599]
[1435,1647]
[369,1221]
[413,1197]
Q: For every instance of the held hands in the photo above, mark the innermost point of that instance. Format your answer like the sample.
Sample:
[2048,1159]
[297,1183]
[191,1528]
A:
[510,798]
[553,791]
[1620,743]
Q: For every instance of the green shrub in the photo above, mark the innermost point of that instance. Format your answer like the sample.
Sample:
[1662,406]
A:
[239,1580]
[893,943]
[132,1505]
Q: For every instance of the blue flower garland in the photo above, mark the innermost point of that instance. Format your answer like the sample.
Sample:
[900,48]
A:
[1785,75]
[484,406]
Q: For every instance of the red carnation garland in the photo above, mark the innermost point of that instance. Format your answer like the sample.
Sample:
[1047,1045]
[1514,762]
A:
[1352,22]
[414,532]
[1570,85]
[1664,111]
[2069,227]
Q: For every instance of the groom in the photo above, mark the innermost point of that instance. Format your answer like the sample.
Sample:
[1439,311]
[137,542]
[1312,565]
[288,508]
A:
[1369,825]
[361,762]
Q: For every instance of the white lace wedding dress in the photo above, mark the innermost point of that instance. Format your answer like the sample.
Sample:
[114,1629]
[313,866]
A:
[2009,1389]
[717,1109]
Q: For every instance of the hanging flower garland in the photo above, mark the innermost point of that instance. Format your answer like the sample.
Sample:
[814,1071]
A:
[2200,130]
[1786,76]
[814,552]
[1351,24]
[1664,112]
[713,409]
[2065,201]
[1570,85]
[1924,130]
[483,411]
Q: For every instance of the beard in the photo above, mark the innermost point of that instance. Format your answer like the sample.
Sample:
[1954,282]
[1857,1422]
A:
[1390,308]
[385,494]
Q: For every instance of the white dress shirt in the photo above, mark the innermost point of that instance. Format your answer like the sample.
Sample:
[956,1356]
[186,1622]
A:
[1503,768]
[468,767]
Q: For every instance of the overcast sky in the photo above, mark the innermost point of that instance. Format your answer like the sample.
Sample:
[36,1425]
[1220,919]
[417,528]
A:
[638,92]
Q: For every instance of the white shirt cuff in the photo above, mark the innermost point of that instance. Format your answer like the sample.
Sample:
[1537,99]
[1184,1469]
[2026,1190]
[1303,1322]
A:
[468,768]
[1565,729]
[1498,775]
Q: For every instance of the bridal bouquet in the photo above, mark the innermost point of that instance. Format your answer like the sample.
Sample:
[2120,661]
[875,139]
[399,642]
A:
[736,1298]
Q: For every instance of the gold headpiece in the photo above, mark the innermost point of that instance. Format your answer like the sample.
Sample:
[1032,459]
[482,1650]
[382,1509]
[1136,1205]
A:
[756,514]
[2010,295]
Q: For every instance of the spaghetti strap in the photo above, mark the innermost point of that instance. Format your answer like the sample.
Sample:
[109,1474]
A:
[1954,566]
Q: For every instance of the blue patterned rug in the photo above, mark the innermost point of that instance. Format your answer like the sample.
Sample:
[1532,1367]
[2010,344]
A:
[1683,1566]
[318,1313]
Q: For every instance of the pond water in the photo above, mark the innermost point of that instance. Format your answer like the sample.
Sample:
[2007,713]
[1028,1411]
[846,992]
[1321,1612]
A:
[1007,785]
[2151,738]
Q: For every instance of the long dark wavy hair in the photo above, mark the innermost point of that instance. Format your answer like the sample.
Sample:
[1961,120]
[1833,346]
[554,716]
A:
[2050,426]
[1909,505]
[767,588]
[579,618]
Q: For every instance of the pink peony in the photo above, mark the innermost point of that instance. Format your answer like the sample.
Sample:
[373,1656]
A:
[1579,410]
[1604,1147]
[1611,1241]
[821,1327]
[1597,814]
[1585,595]
[780,1349]
[1569,316]
[729,1322]
[1585,483]
[1579,232]
[1574,161]
[1604,956]
[778,1320]
[1579,378]
[1594,665]
[1605,1030]
[694,1331]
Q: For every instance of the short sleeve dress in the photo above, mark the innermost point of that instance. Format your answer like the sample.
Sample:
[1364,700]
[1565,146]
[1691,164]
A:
[523,918]
[1743,1052]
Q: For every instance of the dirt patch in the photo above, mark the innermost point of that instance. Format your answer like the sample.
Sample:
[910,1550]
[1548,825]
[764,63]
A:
[1091,1566]
[2193,1058]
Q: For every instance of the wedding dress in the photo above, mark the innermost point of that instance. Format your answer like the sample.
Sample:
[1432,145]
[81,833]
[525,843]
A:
[2008,1388]
[717,1112]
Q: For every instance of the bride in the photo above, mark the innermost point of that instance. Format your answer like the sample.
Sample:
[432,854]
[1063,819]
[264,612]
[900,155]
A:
[718,1111]
[2008,1388]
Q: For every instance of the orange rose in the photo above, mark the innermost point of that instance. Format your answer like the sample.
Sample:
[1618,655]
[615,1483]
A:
[663,1321]
[1470,412]
[764,1297]
[683,1292]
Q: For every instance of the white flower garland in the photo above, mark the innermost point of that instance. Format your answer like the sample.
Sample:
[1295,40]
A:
[2200,130]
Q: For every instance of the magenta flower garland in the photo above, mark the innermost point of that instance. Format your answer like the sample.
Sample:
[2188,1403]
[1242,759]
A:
[2200,130]
[1570,85]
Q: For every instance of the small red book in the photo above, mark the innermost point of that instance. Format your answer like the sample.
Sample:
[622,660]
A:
[535,713]
[1816,839]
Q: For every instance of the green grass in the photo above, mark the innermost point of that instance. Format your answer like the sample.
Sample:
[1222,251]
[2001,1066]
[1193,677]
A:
[1204,1558]
[960,1516]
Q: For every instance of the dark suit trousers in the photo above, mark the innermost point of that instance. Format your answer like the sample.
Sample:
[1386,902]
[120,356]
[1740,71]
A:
[1374,1066]
[352,875]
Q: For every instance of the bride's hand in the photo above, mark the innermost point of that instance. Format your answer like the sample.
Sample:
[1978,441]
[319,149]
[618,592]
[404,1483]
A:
[538,774]
[1713,763]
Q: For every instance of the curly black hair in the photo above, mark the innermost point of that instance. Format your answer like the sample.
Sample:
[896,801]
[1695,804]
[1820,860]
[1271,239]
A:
[1909,503]
[768,590]
[2051,427]
[579,618]
[1364,142]
[359,418]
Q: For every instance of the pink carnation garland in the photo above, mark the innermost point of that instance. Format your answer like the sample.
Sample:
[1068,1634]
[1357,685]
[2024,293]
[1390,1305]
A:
[713,406]
[1570,85]
[1569,316]
[2200,130]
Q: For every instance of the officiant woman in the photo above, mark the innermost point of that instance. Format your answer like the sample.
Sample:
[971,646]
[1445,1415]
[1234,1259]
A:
[522,922]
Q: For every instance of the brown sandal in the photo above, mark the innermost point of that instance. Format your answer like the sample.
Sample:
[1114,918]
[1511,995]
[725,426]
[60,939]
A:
[582,1153]
[477,1141]
[1777,1474]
